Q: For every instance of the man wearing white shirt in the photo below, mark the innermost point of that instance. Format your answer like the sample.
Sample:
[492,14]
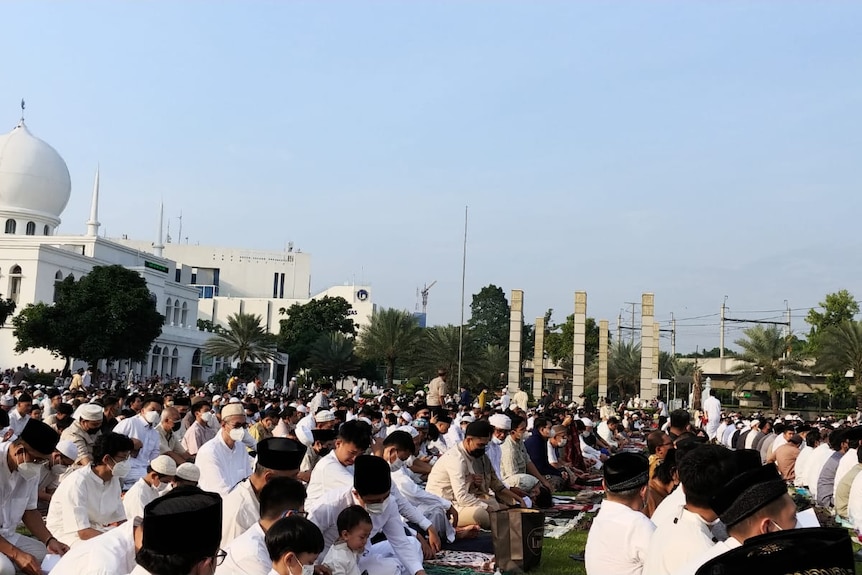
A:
[224,461]
[160,473]
[818,460]
[335,470]
[276,457]
[372,486]
[751,504]
[620,535]
[702,472]
[502,425]
[712,408]
[505,400]
[110,553]
[143,433]
[20,414]
[88,500]
[247,554]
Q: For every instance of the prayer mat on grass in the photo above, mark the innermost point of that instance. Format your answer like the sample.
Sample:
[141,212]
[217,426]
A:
[470,560]
[482,543]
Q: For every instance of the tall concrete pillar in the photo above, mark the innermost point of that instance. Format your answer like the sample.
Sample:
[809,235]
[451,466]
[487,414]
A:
[516,325]
[603,358]
[579,350]
[539,358]
[647,345]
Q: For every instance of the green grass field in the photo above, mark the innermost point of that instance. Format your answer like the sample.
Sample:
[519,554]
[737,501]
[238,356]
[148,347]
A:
[555,555]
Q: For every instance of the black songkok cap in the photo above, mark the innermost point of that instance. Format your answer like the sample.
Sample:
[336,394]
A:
[854,433]
[747,493]
[40,437]
[626,471]
[280,453]
[185,519]
[444,419]
[479,428]
[371,475]
[789,552]
[747,459]
[324,435]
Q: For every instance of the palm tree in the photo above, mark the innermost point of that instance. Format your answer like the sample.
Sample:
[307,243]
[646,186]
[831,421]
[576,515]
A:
[244,339]
[332,355]
[840,350]
[391,336]
[439,348]
[624,367]
[767,360]
[494,361]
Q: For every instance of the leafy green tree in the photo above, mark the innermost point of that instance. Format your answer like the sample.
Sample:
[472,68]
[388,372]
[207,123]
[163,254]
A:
[495,361]
[837,308]
[7,308]
[624,368]
[208,325]
[245,339]
[306,323]
[489,317]
[840,350]
[46,326]
[391,337]
[767,361]
[107,314]
[839,389]
[528,342]
[560,341]
[332,355]
[439,348]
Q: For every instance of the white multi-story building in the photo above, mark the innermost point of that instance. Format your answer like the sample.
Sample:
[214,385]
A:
[188,281]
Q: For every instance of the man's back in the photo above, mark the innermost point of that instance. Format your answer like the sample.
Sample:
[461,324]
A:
[618,541]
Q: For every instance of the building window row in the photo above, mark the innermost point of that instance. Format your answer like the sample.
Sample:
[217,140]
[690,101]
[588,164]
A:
[30,229]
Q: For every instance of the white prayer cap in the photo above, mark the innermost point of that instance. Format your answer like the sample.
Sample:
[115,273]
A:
[7,401]
[324,416]
[234,400]
[587,422]
[164,465]
[396,408]
[409,429]
[216,397]
[468,419]
[365,420]
[68,449]
[90,412]
[500,421]
[189,472]
[406,417]
[301,409]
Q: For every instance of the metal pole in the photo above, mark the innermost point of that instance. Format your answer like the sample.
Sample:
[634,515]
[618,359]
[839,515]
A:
[463,284]
[672,336]
[721,339]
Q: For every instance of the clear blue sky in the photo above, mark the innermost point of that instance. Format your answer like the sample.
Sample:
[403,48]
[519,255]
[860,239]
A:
[691,149]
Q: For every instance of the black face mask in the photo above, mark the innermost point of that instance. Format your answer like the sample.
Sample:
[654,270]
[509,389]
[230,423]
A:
[177,426]
[324,451]
[478,452]
[93,431]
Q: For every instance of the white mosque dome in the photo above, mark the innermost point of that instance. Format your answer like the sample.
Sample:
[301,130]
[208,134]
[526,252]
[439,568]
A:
[34,179]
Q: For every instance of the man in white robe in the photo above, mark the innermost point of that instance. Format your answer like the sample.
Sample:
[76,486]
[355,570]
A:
[224,461]
[143,433]
[276,457]
[160,474]
[110,553]
[620,534]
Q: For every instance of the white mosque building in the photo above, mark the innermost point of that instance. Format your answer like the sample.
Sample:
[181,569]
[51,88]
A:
[188,282]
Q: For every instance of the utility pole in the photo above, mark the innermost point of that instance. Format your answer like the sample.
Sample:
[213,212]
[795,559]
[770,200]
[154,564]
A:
[721,338]
[633,304]
[672,336]
[620,328]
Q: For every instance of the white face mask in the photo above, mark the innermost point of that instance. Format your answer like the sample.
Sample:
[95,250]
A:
[527,435]
[496,440]
[121,469]
[552,434]
[58,469]
[396,465]
[237,433]
[152,417]
[563,442]
[29,470]
[377,508]
[206,417]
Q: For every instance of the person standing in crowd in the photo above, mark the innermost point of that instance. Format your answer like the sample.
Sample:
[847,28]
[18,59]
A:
[88,501]
[437,390]
[276,457]
[620,536]
[321,399]
[224,461]
[19,485]
[712,409]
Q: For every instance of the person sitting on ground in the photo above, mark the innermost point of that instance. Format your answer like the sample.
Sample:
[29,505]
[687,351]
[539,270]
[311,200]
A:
[160,476]
[354,528]
[662,483]
[293,542]
[517,468]
[620,535]
[188,475]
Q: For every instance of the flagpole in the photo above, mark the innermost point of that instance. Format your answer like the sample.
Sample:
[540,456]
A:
[463,283]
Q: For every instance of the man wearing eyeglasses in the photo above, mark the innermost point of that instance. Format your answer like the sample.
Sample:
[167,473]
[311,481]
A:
[19,485]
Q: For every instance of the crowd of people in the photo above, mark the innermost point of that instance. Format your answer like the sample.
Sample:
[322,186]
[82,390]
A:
[162,478]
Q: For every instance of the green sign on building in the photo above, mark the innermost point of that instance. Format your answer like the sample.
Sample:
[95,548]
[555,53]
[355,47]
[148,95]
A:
[157,267]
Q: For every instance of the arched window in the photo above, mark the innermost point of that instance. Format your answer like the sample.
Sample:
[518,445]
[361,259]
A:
[10,226]
[31,228]
[46,231]
[157,350]
[58,277]
[185,314]
[176,319]
[168,310]
[15,283]
[176,352]
[196,357]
